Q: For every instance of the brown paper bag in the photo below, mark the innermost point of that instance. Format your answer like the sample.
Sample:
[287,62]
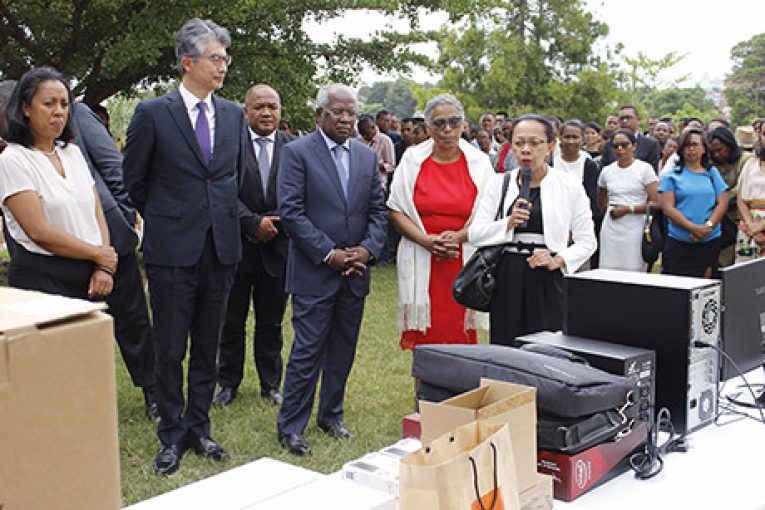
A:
[469,468]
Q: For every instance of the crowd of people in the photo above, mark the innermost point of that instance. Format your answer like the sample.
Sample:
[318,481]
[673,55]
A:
[238,211]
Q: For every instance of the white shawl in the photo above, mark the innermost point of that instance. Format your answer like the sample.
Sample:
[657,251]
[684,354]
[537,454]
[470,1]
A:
[413,261]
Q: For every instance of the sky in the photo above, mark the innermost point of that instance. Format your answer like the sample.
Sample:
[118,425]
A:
[705,29]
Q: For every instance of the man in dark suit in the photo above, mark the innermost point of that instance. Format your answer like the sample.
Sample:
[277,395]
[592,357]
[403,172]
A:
[127,302]
[261,272]
[647,147]
[183,161]
[331,205]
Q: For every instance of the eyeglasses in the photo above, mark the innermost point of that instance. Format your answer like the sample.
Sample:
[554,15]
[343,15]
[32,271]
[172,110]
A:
[620,145]
[217,60]
[338,113]
[440,124]
[533,143]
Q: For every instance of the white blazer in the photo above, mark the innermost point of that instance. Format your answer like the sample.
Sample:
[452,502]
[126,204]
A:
[565,210]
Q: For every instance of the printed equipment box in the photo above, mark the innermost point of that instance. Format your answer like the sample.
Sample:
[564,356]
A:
[58,410]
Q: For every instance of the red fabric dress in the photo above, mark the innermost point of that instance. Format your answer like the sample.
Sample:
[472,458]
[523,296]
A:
[444,195]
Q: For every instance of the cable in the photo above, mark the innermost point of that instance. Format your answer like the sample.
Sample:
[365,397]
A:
[704,345]
[649,462]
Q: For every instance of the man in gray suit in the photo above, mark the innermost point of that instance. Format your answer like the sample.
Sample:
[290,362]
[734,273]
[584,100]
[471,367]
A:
[183,161]
[260,274]
[332,206]
[127,301]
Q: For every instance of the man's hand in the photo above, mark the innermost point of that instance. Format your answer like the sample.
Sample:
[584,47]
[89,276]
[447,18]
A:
[266,230]
[356,259]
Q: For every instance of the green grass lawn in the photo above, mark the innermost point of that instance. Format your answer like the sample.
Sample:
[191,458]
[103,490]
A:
[379,393]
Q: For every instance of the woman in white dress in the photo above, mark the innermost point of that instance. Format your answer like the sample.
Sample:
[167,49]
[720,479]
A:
[623,189]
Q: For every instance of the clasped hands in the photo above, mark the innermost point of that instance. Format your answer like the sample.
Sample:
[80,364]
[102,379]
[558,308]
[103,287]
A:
[349,261]
[445,245]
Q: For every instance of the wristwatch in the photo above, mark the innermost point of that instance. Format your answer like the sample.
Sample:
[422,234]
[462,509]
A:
[709,224]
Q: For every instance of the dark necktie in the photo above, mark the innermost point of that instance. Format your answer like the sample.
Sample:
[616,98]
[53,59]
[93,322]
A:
[202,130]
[342,171]
[264,165]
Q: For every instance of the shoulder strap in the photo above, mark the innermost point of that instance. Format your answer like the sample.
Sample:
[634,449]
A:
[505,185]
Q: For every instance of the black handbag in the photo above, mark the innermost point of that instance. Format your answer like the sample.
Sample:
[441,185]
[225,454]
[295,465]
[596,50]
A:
[474,285]
[653,238]
[729,231]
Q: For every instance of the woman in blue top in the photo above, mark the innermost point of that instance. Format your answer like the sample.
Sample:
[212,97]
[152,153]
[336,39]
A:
[694,198]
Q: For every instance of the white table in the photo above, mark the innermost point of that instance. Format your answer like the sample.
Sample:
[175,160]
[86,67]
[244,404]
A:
[724,469]
[267,484]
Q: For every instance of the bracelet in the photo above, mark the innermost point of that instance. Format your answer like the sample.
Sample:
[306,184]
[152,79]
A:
[106,270]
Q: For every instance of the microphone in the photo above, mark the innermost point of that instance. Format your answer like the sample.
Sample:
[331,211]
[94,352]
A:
[524,192]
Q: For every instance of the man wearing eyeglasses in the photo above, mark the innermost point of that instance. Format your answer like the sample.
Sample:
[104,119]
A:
[647,148]
[184,158]
[332,207]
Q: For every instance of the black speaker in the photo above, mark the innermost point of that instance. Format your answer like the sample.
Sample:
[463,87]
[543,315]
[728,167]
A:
[665,314]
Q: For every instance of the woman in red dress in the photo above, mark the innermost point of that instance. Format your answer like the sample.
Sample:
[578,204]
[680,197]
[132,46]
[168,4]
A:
[433,197]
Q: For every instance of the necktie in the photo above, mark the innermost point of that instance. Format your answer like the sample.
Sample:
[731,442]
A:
[342,171]
[264,165]
[202,130]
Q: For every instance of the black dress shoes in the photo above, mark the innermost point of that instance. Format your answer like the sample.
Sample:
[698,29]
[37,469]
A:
[272,396]
[225,396]
[150,401]
[206,447]
[168,460]
[336,430]
[295,444]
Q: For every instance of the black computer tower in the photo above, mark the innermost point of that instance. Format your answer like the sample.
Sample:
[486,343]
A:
[662,313]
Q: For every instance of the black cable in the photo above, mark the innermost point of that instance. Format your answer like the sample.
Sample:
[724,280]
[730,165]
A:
[649,462]
[704,345]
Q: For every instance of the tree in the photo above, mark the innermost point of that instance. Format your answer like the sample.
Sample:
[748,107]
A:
[111,46]
[672,102]
[645,76]
[746,84]
[513,54]
[394,96]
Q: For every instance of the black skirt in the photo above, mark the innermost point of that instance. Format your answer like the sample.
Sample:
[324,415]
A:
[690,259]
[49,273]
[525,301]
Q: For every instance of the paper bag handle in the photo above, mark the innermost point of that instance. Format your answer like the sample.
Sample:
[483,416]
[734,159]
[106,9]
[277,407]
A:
[475,479]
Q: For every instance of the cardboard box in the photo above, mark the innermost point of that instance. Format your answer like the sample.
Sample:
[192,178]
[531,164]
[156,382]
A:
[573,475]
[374,470]
[58,410]
[328,493]
[496,402]
[539,496]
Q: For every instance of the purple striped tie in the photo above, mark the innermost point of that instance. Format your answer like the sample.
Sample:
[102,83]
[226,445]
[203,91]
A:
[202,130]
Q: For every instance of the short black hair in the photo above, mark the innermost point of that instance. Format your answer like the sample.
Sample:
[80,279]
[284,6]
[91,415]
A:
[364,121]
[626,132]
[380,114]
[630,107]
[685,140]
[721,121]
[533,117]
[18,125]
[573,123]
[501,113]
[595,126]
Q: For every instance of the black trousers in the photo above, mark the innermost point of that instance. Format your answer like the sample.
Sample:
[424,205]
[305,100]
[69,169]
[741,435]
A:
[188,304]
[132,328]
[269,300]
[525,301]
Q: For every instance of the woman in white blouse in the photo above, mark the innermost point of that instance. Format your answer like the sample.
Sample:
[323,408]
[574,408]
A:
[49,199]
[529,292]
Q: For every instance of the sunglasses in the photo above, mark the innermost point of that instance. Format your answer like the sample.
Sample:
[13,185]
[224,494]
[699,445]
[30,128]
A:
[440,124]
[620,145]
